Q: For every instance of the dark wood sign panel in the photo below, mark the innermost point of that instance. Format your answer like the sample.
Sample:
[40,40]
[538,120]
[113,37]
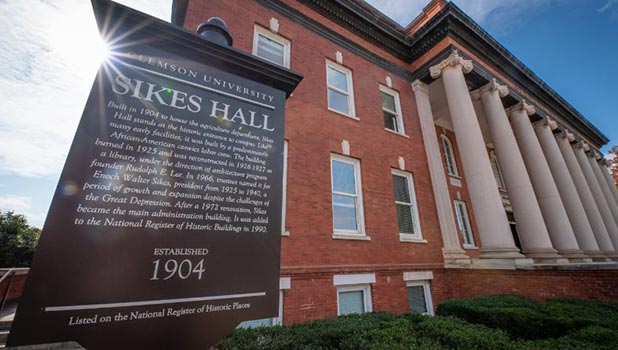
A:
[164,231]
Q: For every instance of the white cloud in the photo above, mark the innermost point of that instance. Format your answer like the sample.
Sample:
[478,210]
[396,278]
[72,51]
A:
[15,202]
[22,205]
[50,54]
[608,5]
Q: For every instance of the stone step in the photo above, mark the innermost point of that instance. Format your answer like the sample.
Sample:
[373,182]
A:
[5,325]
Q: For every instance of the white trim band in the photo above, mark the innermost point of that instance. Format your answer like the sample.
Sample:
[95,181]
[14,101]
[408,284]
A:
[418,276]
[343,280]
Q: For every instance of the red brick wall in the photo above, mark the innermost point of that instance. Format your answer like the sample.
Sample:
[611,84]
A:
[17,286]
[314,133]
[539,285]
[314,296]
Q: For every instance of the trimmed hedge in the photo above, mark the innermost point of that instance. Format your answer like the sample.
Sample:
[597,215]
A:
[372,331]
[526,319]
[496,323]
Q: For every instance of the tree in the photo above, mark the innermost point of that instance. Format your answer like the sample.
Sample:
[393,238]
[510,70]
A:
[612,162]
[18,240]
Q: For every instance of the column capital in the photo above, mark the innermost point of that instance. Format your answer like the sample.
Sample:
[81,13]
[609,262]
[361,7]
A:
[566,134]
[490,87]
[522,106]
[547,121]
[597,155]
[580,145]
[418,85]
[453,60]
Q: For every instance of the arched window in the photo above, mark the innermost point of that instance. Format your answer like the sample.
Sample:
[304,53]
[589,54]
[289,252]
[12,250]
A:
[449,156]
[497,171]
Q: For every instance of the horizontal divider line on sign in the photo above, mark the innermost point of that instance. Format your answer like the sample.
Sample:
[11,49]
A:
[152,302]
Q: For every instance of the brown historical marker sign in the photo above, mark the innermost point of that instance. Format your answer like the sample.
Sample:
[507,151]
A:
[164,231]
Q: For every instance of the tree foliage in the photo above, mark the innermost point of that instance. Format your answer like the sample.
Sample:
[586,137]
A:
[18,240]
[613,163]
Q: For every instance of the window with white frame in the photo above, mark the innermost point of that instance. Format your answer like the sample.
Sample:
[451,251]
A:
[391,109]
[347,196]
[419,297]
[354,299]
[354,293]
[497,171]
[284,283]
[284,230]
[405,204]
[271,47]
[339,86]
[449,156]
[463,222]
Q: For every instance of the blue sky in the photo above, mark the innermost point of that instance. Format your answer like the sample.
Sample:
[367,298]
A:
[51,50]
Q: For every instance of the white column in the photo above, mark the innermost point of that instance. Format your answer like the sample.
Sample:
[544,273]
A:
[568,192]
[607,191]
[497,241]
[452,252]
[531,227]
[606,214]
[592,211]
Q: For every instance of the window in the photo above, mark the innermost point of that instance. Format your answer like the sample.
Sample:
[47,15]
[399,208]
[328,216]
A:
[284,230]
[391,109]
[405,204]
[271,47]
[284,283]
[347,196]
[513,225]
[463,221]
[449,156]
[340,94]
[495,166]
[354,299]
[419,297]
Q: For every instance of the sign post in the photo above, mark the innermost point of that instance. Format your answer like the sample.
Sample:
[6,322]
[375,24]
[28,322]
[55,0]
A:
[164,231]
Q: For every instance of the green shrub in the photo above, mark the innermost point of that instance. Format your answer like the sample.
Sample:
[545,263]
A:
[492,323]
[457,334]
[526,319]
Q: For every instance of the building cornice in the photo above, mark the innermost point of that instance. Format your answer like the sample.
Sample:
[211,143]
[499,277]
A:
[450,22]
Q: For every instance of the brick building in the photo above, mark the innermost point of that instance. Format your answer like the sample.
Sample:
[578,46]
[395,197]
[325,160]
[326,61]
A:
[423,163]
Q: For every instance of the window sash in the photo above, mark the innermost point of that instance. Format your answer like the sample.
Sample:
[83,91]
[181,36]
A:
[271,47]
[365,289]
[463,221]
[497,171]
[335,88]
[395,113]
[340,99]
[394,119]
[427,308]
[412,226]
[417,302]
[332,103]
[356,196]
[343,92]
[449,155]
[270,50]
